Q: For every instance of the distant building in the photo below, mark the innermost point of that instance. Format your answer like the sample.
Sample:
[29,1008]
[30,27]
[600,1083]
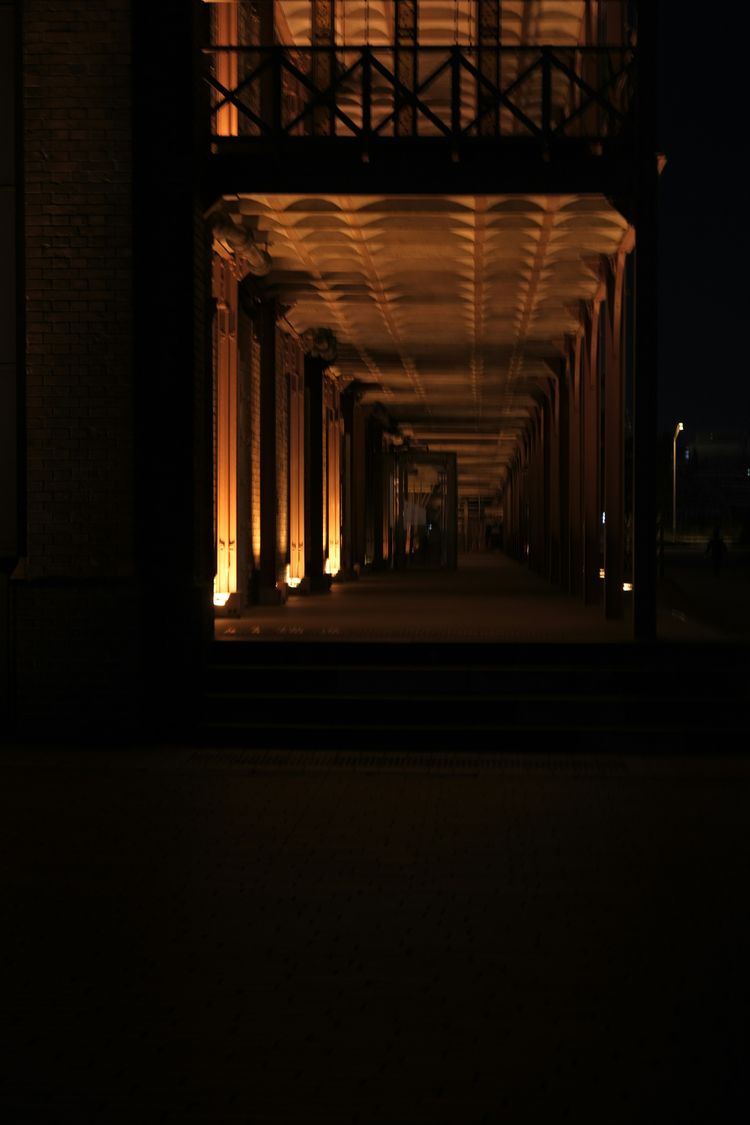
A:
[713,480]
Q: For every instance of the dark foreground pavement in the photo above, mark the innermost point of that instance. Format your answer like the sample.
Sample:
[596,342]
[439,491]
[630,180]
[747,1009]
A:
[246,937]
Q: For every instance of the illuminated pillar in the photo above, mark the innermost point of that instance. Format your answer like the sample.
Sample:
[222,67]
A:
[297,471]
[592,514]
[488,64]
[614,442]
[348,402]
[576,476]
[333,479]
[314,465]
[405,53]
[359,485]
[225,294]
[227,34]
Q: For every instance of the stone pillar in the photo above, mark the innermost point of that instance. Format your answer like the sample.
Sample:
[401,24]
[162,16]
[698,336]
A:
[563,467]
[225,328]
[591,456]
[297,471]
[314,474]
[332,410]
[268,591]
[576,477]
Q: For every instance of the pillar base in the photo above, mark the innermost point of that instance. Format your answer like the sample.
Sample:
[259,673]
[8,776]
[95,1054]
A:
[273,595]
[351,574]
[320,583]
[231,608]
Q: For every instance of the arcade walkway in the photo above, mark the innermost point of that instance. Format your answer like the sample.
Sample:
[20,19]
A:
[489,598]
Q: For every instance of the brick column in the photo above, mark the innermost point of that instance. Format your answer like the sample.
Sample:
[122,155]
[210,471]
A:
[12,333]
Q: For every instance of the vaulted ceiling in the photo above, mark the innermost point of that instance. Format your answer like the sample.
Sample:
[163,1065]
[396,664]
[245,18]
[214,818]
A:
[439,21]
[447,307]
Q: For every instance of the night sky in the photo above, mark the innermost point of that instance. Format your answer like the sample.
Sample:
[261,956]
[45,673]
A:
[703,241]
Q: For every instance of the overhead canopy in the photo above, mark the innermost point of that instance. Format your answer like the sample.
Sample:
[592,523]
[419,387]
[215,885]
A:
[557,22]
[448,307]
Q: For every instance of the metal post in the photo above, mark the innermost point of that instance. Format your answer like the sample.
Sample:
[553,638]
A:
[674,481]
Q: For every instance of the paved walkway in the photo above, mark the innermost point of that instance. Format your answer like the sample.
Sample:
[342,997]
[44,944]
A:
[256,937]
[492,598]
[306,939]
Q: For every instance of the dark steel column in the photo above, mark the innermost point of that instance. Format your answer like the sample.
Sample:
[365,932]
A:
[646,373]
[347,476]
[172,383]
[268,592]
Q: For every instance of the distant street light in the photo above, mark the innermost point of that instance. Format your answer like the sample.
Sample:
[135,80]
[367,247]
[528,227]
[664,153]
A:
[674,481]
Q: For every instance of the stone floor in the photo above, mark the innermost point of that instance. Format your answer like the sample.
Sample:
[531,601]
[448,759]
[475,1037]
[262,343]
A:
[491,598]
[257,938]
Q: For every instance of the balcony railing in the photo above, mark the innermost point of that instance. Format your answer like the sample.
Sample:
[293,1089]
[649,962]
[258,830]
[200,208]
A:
[543,93]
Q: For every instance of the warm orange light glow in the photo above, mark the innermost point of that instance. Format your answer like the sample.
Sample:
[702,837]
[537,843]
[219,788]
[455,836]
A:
[627,586]
[227,33]
[296,568]
[221,599]
[333,560]
[225,291]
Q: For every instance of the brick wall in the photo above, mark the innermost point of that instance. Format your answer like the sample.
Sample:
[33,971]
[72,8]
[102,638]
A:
[78,270]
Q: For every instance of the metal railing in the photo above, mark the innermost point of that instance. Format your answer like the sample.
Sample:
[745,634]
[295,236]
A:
[544,93]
